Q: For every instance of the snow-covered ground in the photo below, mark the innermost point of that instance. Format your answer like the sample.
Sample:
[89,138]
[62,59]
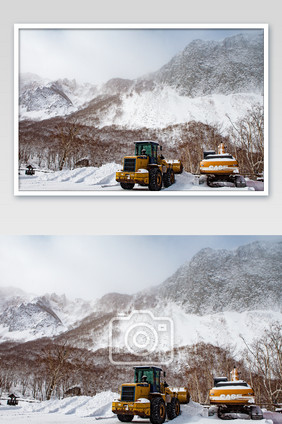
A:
[88,178]
[104,179]
[77,409]
[84,409]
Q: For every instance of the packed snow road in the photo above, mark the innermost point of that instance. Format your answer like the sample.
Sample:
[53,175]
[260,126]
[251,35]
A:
[104,179]
[85,409]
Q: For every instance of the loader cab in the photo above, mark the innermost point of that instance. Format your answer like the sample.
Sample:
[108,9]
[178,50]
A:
[148,148]
[153,375]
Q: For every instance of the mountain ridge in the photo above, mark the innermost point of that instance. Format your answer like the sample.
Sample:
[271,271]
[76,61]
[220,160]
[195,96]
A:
[200,291]
[234,65]
[230,67]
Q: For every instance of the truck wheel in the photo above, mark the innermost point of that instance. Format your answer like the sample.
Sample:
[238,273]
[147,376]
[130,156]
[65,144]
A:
[173,409]
[125,418]
[155,179]
[127,186]
[158,411]
[168,178]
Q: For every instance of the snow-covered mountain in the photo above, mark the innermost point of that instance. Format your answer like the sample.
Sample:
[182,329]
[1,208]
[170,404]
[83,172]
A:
[215,281]
[204,82]
[234,65]
[216,297]
[25,316]
[246,279]
[42,99]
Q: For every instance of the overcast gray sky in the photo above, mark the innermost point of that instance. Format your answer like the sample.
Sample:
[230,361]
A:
[91,266]
[96,55]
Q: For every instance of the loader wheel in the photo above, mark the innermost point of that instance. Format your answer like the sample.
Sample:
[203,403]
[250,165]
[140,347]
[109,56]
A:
[125,418]
[172,177]
[168,178]
[155,179]
[173,409]
[158,411]
[127,186]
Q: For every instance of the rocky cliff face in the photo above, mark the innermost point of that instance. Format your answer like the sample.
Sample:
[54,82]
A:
[248,278]
[234,65]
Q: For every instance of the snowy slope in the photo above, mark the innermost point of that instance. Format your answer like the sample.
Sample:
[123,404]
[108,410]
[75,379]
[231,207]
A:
[164,106]
[220,329]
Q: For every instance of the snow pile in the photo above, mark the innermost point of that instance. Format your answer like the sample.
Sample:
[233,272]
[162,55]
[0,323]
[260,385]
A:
[78,409]
[192,409]
[82,406]
[87,178]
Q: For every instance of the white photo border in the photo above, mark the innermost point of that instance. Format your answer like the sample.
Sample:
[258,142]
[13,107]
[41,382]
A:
[178,193]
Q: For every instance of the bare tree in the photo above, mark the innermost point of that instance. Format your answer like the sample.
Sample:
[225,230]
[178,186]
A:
[204,361]
[265,360]
[248,135]
[67,138]
[56,359]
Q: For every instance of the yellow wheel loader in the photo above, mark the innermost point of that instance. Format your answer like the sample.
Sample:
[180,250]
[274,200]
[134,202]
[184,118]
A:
[148,168]
[149,397]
